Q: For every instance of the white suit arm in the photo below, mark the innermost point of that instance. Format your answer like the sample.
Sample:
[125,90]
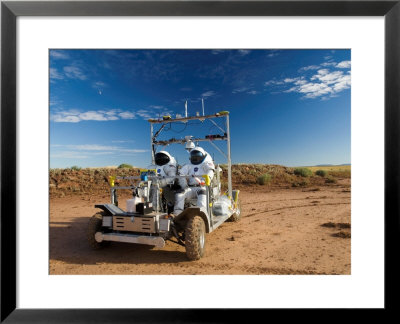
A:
[209,168]
[170,170]
[184,171]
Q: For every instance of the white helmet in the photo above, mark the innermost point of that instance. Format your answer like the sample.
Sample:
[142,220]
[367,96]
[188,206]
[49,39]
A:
[197,155]
[163,157]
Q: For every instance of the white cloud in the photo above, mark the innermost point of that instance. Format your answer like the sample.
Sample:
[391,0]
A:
[300,82]
[144,113]
[323,72]
[244,51]
[92,115]
[343,83]
[273,53]
[73,72]
[75,116]
[154,112]
[55,75]
[310,67]
[247,90]
[344,65]
[328,77]
[54,102]
[273,83]
[58,54]
[133,150]
[208,94]
[127,115]
[111,112]
[341,65]
[290,80]
[253,92]
[239,90]
[325,84]
[312,90]
[99,84]
[122,141]
[92,147]
[60,118]
[328,64]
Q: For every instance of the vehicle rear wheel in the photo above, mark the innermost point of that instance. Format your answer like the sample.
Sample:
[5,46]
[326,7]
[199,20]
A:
[237,215]
[94,226]
[195,238]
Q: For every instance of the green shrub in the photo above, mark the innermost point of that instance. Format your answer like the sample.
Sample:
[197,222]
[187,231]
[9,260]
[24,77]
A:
[75,168]
[125,166]
[330,179]
[304,172]
[264,179]
[301,183]
[340,173]
[321,173]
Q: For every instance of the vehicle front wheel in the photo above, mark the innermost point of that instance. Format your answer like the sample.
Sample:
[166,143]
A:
[94,226]
[195,238]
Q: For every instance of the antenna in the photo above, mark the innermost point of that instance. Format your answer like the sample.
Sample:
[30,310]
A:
[202,103]
[186,108]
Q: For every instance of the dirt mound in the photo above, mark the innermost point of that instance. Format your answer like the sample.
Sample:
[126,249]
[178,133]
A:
[336,225]
[279,176]
[342,234]
[85,181]
[64,182]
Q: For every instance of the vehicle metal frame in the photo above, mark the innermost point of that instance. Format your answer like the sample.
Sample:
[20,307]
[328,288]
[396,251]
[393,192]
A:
[225,137]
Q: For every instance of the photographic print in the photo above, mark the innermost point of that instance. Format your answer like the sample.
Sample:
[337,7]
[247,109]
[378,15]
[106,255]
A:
[200,161]
[76,106]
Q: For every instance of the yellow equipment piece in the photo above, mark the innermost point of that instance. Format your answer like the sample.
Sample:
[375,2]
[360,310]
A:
[166,117]
[224,112]
[111,180]
[207,179]
[236,198]
[148,171]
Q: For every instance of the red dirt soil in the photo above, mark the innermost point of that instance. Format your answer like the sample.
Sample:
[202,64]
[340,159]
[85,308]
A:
[282,231]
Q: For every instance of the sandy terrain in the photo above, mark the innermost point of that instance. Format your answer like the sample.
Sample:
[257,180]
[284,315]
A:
[282,231]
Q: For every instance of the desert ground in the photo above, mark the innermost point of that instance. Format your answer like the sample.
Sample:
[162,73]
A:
[283,230]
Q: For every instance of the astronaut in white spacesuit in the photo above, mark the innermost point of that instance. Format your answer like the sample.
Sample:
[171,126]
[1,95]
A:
[200,164]
[165,166]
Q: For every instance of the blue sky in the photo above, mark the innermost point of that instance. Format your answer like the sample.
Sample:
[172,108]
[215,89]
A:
[288,107]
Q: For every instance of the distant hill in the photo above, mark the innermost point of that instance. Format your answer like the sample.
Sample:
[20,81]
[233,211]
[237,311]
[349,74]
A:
[327,165]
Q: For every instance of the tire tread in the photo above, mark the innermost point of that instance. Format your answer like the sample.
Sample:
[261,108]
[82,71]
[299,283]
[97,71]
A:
[94,225]
[194,228]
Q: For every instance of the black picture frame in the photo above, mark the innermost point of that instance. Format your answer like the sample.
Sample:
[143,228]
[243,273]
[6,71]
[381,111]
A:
[10,10]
